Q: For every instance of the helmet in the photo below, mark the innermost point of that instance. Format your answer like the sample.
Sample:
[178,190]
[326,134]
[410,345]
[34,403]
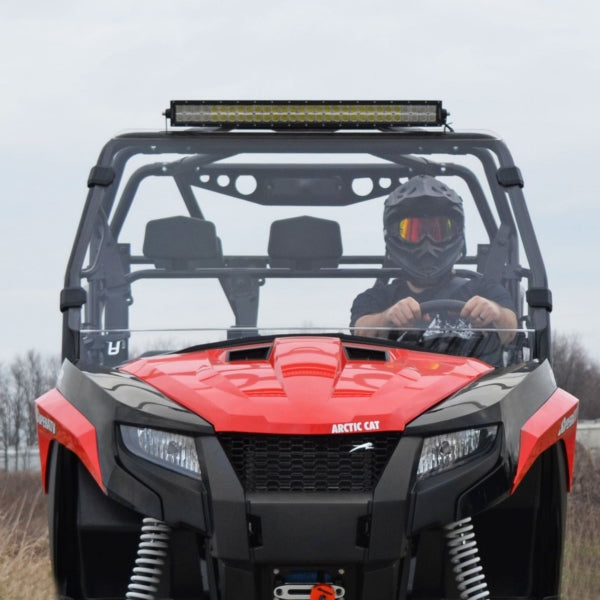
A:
[423,226]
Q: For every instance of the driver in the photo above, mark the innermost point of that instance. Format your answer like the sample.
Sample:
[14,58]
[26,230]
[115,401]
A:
[423,223]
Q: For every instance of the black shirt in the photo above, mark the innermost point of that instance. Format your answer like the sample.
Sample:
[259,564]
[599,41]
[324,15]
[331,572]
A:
[383,295]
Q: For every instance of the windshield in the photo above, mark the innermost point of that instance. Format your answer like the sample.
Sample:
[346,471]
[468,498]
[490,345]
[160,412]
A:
[188,248]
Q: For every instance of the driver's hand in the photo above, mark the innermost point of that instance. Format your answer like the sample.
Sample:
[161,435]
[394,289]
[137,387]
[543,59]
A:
[481,311]
[405,312]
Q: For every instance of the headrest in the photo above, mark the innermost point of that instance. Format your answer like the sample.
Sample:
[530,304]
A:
[305,243]
[182,243]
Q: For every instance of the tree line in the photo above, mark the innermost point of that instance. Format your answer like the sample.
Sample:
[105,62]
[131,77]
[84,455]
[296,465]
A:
[577,373]
[28,376]
[22,380]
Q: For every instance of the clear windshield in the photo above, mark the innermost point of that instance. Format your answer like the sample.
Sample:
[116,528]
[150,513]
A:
[196,249]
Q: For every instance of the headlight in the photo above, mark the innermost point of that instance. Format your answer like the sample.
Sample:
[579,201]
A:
[170,450]
[442,452]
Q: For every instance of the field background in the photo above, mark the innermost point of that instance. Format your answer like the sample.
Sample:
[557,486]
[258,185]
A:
[25,565]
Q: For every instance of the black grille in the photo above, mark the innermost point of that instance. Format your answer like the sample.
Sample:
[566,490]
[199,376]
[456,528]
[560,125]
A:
[309,463]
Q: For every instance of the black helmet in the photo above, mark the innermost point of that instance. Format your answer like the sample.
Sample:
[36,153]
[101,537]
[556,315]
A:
[423,226]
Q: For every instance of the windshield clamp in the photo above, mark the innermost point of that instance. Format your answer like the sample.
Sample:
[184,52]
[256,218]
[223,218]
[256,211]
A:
[539,298]
[102,176]
[510,176]
[74,297]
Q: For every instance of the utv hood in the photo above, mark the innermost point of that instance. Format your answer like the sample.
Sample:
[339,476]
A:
[307,385]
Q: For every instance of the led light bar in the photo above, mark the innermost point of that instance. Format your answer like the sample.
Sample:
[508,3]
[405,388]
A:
[306,114]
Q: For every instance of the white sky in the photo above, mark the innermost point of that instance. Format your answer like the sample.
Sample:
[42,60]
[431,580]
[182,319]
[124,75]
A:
[74,73]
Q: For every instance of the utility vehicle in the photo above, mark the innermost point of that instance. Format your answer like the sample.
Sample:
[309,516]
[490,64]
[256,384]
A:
[219,431]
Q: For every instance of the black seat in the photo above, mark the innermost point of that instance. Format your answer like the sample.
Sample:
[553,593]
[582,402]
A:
[182,243]
[305,243]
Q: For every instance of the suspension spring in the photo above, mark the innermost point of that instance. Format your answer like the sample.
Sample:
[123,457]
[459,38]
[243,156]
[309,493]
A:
[151,554]
[466,563]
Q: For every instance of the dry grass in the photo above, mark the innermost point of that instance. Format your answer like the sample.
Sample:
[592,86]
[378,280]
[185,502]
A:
[24,561]
[25,567]
[581,567]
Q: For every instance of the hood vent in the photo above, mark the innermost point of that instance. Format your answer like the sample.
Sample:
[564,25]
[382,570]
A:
[358,353]
[250,353]
[263,352]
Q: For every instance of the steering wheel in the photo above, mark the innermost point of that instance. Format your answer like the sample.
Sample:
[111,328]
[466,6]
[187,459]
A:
[444,305]
[489,344]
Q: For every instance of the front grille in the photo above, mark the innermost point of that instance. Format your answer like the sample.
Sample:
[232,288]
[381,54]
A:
[309,463]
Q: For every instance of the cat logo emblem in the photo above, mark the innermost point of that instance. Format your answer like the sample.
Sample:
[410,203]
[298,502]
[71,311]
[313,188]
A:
[365,446]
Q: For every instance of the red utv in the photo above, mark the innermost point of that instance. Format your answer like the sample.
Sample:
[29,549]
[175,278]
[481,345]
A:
[219,430]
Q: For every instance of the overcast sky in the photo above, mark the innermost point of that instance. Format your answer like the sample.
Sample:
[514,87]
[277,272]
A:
[74,73]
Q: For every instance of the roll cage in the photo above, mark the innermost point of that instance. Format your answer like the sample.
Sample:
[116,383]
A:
[101,269]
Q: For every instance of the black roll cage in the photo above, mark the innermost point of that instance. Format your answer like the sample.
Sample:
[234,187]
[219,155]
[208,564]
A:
[324,184]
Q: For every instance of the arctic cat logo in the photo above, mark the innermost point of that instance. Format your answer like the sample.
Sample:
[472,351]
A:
[567,422]
[365,446]
[355,427]
[45,422]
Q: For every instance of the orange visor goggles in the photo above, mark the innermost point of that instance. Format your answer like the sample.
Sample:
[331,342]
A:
[438,229]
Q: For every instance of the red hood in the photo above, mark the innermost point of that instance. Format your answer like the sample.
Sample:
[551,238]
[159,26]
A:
[307,385]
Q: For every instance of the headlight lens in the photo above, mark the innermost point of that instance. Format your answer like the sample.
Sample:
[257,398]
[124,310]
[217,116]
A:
[170,450]
[442,452]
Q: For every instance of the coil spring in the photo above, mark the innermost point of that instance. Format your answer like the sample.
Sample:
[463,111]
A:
[151,554]
[464,556]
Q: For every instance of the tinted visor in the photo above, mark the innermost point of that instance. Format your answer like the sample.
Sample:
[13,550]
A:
[437,229]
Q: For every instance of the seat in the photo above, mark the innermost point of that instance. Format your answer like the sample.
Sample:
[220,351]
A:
[305,243]
[182,243]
